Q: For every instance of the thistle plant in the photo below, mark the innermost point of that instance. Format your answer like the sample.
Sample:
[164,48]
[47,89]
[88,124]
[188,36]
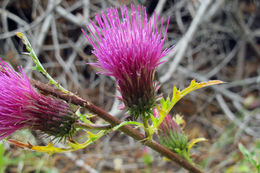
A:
[128,48]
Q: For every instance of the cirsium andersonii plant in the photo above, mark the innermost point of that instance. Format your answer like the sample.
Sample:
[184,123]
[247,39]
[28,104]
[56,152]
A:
[128,47]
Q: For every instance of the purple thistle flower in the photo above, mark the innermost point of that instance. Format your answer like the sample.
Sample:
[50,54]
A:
[22,107]
[130,50]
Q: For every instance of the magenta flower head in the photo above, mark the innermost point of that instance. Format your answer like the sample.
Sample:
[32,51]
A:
[130,49]
[22,107]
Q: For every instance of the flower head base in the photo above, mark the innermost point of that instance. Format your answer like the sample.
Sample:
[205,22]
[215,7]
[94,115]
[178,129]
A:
[130,50]
[21,106]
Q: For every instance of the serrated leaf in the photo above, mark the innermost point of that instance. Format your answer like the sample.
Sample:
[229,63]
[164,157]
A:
[167,105]
[177,94]
[51,149]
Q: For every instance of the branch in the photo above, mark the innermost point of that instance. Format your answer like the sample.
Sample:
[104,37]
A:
[183,44]
[128,130]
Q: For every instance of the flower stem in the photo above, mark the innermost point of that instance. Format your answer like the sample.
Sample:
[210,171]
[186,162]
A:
[147,128]
[92,126]
[38,64]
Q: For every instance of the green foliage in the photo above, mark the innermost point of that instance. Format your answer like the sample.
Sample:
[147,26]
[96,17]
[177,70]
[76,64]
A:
[252,157]
[232,162]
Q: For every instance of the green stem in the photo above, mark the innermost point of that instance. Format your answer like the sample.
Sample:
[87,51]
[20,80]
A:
[38,64]
[92,126]
[147,128]
[186,156]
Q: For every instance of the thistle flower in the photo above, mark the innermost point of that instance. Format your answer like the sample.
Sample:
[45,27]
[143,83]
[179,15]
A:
[130,50]
[22,107]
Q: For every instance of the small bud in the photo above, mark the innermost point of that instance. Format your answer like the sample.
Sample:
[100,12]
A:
[171,135]
[22,107]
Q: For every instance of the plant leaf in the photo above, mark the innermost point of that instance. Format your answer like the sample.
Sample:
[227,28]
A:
[194,141]
[167,105]
[248,156]
[51,149]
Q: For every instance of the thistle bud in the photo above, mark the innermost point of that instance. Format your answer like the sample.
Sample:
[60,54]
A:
[171,135]
[22,107]
[130,50]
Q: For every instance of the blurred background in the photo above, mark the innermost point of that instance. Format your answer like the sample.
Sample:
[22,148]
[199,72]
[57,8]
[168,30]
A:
[213,39]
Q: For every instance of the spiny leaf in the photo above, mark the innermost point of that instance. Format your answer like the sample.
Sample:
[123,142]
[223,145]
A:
[167,105]
[51,149]
[177,94]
